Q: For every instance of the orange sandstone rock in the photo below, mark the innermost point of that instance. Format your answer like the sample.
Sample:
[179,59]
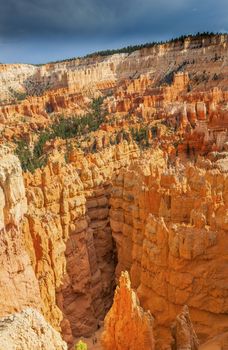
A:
[170,231]
[18,284]
[184,335]
[69,236]
[127,325]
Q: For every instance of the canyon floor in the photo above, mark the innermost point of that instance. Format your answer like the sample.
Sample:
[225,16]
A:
[94,342]
[114,200]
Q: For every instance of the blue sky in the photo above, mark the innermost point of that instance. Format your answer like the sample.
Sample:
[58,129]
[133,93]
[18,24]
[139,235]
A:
[37,31]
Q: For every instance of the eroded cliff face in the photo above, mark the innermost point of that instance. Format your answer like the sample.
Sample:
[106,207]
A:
[69,236]
[18,283]
[138,82]
[144,190]
[103,72]
[170,229]
[128,326]
[169,225]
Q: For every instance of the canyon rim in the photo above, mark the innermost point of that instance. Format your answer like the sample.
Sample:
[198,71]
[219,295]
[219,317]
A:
[114,199]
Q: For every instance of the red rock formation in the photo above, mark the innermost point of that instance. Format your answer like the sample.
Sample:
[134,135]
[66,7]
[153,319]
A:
[169,227]
[127,325]
[18,283]
[69,236]
[137,81]
[184,335]
[168,218]
[217,343]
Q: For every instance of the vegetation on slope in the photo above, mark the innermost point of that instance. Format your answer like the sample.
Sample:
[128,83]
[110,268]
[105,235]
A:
[131,48]
[61,128]
[81,345]
[17,95]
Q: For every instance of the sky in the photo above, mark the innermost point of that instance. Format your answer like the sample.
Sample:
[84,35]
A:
[39,31]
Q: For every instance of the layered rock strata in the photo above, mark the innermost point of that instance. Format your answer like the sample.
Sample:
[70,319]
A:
[69,237]
[170,229]
[101,72]
[169,225]
[168,217]
[18,283]
[138,82]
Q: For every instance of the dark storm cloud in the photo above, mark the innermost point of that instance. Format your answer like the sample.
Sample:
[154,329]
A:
[106,21]
[37,18]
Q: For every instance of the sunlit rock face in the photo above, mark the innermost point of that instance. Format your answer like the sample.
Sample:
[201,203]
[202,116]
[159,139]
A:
[143,191]
[127,325]
[18,283]
[69,236]
[140,81]
[170,230]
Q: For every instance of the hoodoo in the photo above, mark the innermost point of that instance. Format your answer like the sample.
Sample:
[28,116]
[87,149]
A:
[114,200]
[127,325]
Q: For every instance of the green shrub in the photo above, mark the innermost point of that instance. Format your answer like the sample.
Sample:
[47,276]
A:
[81,345]
[18,95]
[69,149]
[62,128]
[43,138]
[28,159]
[141,136]
[74,126]
[24,154]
